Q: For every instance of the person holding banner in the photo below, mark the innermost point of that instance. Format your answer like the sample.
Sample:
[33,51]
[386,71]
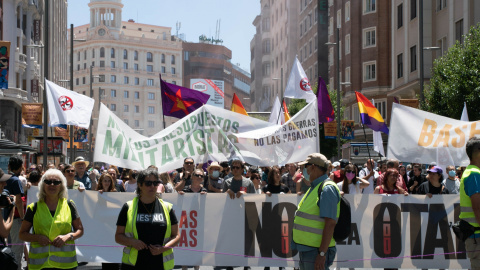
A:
[316,216]
[185,177]
[352,184]
[390,185]
[52,219]
[434,185]
[238,185]
[148,227]
[470,200]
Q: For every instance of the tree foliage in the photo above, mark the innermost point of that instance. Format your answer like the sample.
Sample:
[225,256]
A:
[456,79]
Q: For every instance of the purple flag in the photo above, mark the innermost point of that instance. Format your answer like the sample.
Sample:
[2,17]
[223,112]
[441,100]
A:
[325,108]
[178,101]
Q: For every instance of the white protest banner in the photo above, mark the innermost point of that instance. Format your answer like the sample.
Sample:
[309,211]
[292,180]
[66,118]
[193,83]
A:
[209,133]
[422,137]
[414,231]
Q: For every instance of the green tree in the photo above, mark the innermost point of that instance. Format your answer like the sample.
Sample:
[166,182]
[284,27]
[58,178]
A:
[456,79]
[328,147]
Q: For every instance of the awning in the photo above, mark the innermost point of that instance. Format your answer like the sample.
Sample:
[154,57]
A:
[9,146]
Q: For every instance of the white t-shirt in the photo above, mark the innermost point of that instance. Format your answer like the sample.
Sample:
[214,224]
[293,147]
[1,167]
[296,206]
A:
[130,187]
[352,188]
[364,172]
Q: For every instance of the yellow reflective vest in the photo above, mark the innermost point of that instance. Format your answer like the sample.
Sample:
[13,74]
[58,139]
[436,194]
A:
[308,225]
[130,254]
[44,224]
[466,210]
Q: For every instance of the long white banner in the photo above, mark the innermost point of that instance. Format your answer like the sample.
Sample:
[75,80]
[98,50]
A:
[423,137]
[387,231]
[209,133]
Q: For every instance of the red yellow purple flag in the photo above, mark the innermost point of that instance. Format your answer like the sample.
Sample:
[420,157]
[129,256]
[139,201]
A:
[237,106]
[285,111]
[370,115]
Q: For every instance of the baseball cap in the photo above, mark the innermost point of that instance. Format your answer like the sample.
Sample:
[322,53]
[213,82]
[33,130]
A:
[336,164]
[436,169]
[317,159]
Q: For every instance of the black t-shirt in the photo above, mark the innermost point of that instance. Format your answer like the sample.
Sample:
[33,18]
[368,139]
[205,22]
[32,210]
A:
[31,213]
[188,189]
[188,180]
[276,189]
[427,187]
[151,228]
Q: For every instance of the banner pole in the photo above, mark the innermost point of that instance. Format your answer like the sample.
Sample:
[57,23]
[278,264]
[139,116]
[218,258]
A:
[281,109]
[161,99]
[368,148]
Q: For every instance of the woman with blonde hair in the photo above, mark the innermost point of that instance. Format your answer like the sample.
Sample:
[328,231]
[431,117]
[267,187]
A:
[167,182]
[52,219]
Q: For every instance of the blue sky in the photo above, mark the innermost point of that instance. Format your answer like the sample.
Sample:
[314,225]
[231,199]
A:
[197,17]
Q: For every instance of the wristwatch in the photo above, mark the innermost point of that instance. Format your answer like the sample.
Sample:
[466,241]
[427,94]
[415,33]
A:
[71,236]
[322,254]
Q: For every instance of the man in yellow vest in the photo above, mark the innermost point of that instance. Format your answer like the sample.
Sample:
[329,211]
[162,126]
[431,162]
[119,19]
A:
[316,217]
[470,200]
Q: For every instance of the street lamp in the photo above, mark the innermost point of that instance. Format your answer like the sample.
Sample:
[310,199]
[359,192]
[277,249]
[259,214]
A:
[337,63]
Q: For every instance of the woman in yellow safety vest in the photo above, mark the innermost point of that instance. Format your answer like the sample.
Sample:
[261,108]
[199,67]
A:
[52,218]
[147,227]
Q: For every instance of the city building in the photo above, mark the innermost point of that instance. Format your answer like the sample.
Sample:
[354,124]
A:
[207,61]
[127,57]
[22,24]
[273,50]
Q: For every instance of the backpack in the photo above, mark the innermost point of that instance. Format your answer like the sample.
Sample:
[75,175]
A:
[344,223]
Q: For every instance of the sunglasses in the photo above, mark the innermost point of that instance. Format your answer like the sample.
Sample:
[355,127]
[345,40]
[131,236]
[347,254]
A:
[198,175]
[189,163]
[150,183]
[54,182]
[236,167]
[253,178]
[70,171]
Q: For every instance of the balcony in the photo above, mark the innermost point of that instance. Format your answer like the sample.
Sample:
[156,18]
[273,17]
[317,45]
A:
[21,61]
[14,94]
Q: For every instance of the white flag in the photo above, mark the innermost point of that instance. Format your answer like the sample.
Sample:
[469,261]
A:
[298,85]
[276,109]
[378,142]
[67,107]
[464,113]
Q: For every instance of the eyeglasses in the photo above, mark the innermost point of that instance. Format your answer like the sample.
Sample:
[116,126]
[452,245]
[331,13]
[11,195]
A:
[54,182]
[236,167]
[198,175]
[150,183]
[189,163]
[70,171]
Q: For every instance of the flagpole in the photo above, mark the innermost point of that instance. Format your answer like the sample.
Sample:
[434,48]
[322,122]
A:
[161,99]
[45,75]
[368,148]
[281,109]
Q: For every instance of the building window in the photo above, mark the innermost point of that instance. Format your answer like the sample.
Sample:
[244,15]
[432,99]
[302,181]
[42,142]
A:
[84,65]
[137,81]
[173,59]
[78,56]
[125,80]
[102,64]
[381,106]
[266,24]
[149,68]
[369,37]
[441,4]
[151,96]
[356,113]
[266,69]
[442,44]
[150,82]
[151,124]
[347,44]
[77,81]
[135,55]
[112,53]
[400,65]
[347,11]
[369,71]
[413,9]
[113,93]
[164,35]
[174,82]
[135,66]
[137,123]
[125,54]
[125,94]
[151,110]
[369,6]
[413,58]
[137,109]
[83,80]
[93,63]
[85,55]
[266,46]
[102,52]
[163,69]
[125,65]
[339,18]
[173,70]
[163,58]
[347,74]
[125,108]
[78,67]
[459,31]
[149,57]
[93,53]
[137,95]
[112,64]
[399,16]
[101,78]
[113,78]
[113,107]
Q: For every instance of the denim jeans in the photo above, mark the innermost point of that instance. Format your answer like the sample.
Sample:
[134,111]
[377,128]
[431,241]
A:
[307,258]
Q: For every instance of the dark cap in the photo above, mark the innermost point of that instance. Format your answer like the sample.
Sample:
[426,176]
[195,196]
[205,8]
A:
[436,169]
[344,163]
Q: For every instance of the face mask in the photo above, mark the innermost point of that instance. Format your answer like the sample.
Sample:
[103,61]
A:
[350,175]
[215,174]
[305,174]
[334,170]
[451,173]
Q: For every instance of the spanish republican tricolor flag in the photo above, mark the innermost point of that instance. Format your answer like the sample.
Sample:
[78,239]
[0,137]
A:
[237,106]
[285,111]
[370,115]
